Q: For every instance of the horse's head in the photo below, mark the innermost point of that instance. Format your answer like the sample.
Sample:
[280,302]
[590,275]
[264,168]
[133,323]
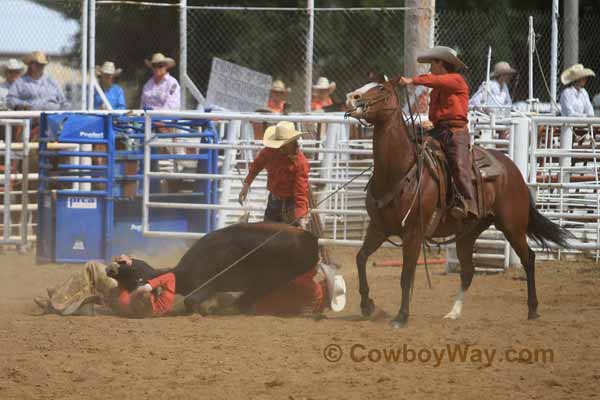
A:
[373,101]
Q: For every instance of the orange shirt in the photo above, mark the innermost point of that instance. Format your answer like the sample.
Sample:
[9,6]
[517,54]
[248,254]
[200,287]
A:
[449,99]
[318,104]
[285,177]
[276,106]
[161,304]
[302,294]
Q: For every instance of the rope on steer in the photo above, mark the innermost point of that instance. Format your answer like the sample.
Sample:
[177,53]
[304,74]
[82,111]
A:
[254,250]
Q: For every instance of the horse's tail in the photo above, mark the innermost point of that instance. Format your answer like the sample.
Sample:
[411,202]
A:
[543,231]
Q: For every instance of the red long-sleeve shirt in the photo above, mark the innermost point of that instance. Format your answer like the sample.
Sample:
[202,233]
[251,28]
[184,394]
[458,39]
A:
[160,304]
[285,177]
[449,99]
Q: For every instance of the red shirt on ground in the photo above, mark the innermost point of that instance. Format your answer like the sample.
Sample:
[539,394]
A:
[449,99]
[160,304]
[285,177]
[303,294]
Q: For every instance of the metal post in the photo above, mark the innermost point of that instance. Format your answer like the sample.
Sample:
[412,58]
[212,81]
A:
[486,94]
[183,50]
[570,32]
[7,189]
[309,54]
[25,184]
[520,158]
[92,53]
[84,52]
[233,130]
[531,43]
[554,52]
[146,178]
[566,143]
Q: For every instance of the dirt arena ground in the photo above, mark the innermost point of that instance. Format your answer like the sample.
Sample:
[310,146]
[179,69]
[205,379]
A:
[239,357]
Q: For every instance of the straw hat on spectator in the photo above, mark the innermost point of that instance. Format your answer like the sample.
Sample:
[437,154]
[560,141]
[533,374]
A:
[108,68]
[324,84]
[502,68]
[575,73]
[281,134]
[440,53]
[36,57]
[279,86]
[12,65]
[159,58]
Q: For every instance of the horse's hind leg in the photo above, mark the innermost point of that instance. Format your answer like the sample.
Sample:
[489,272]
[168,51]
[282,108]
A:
[464,251]
[373,240]
[518,241]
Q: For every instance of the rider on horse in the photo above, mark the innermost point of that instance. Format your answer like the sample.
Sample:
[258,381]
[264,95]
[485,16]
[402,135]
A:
[448,110]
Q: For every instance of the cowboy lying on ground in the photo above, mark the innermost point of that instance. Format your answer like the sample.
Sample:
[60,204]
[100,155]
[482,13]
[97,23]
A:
[448,112]
[113,92]
[287,175]
[130,287]
[497,95]
[574,99]
[12,70]
[35,90]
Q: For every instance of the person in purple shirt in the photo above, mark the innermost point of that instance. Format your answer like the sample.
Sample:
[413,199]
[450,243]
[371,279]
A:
[162,91]
[34,90]
[113,92]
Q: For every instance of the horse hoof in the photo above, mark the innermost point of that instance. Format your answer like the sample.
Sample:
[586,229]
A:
[533,315]
[397,324]
[367,309]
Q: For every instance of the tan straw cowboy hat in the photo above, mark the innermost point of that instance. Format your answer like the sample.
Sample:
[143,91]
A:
[281,134]
[13,65]
[324,84]
[37,57]
[108,68]
[440,53]
[279,86]
[159,58]
[574,73]
[502,68]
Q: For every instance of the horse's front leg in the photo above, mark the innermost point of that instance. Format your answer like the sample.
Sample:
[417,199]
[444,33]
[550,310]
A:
[411,246]
[372,242]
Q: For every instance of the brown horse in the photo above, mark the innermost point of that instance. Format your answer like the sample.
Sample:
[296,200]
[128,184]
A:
[512,209]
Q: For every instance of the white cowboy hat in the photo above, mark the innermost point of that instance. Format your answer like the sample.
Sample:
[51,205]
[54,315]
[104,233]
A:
[281,134]
[574,73]
[37,57]
[279,86]
[336,288]
[108,68]
[13,65]
[323,83]
[159,58]
[440,53]
[502,68]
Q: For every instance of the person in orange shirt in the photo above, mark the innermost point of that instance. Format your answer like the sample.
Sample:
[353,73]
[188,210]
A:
[321,94]
[278,97]
[448,110]
[287,175]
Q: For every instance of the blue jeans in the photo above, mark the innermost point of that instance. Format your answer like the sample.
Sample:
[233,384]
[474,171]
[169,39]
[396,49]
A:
[280,210]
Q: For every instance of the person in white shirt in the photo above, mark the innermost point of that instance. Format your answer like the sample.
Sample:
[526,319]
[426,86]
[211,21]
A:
[11,71]
[574,99]
[498,94]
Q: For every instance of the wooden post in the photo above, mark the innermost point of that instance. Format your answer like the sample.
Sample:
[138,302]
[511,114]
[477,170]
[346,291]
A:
[419,30]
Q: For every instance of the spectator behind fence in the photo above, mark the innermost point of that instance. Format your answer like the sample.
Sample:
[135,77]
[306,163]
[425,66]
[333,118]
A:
[12,70]
[113,92]
[498,94]
[278,97]
[321,93]
[574,99]
[162,91]
[34,90]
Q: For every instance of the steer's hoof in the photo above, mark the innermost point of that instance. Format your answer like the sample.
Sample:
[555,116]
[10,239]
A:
[533,315]
[398,324]
[367,309]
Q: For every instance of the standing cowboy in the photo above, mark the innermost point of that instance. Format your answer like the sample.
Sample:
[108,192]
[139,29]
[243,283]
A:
[162,91]
[11,71]
[287,175]
[113,92]
[448,113]
[321,94]
[574,99]
[278,97]
[497,94]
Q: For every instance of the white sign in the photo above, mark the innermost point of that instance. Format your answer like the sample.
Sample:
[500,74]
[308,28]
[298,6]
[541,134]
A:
[82,202]
[237,88]
[78,245]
